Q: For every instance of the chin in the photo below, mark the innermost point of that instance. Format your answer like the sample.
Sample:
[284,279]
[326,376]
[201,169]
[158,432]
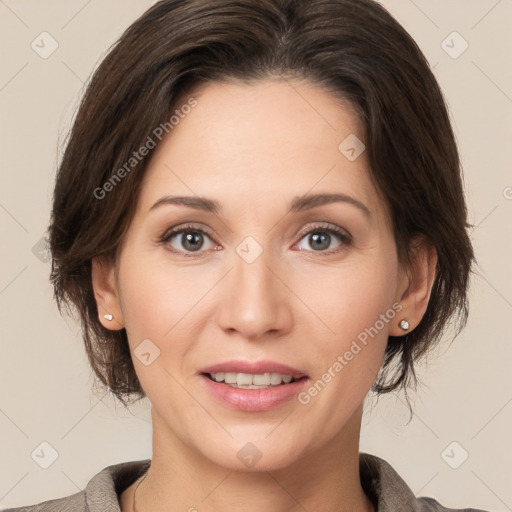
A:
[252,454]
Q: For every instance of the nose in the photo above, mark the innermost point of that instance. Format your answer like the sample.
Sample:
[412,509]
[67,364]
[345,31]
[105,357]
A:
[256,300]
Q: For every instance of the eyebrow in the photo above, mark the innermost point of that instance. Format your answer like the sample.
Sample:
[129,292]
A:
[299,204]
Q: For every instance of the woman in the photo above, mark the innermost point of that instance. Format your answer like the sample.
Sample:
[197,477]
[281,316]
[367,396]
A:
[260,217]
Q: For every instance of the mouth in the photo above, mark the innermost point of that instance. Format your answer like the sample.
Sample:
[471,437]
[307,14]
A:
[246,374]
[252,386]
[265,380]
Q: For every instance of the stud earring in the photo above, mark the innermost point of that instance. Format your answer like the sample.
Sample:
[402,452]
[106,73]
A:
[404,324]
[108,317]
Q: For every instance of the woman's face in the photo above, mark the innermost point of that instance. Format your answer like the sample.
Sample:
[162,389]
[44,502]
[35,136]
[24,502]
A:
[258,280]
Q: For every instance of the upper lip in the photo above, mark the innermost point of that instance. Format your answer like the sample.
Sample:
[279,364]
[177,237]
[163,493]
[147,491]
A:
[255,368]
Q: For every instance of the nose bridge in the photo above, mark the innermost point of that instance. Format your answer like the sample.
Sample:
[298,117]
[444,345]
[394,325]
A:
[254,303]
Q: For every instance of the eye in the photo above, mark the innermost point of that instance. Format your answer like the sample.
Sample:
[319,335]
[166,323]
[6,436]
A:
[321,236]
[186,239]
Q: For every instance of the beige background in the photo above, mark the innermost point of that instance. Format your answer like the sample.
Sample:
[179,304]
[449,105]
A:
[45,381]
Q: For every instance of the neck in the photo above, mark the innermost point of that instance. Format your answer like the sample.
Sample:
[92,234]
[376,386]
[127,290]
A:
[181,478]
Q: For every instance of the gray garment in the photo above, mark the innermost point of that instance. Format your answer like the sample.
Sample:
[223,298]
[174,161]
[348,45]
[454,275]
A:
[380,481]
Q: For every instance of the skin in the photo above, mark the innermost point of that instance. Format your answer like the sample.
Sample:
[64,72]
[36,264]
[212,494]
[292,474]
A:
[254,148]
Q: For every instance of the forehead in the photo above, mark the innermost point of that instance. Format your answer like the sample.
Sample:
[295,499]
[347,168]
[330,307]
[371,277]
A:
[253,145]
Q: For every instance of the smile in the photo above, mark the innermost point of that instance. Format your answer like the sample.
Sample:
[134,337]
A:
[251,381]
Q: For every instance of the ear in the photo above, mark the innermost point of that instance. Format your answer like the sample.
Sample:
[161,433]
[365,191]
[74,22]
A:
[415,287]
[106,294]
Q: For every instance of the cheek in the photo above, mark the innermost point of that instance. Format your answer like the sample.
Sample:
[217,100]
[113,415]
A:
[155,296]
[353,306]
[348,299]
[347,346]
[164,303]
[155,300]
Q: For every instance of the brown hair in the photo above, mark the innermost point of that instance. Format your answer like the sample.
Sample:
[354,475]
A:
[352,48]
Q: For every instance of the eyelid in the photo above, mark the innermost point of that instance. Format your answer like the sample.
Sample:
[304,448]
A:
[186,227]
[325,225]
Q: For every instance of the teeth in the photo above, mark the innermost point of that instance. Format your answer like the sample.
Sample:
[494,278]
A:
[248,380]
[229,378]
[245,379]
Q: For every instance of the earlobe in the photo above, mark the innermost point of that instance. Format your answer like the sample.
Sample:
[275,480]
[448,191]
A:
[416,287]
[106,294]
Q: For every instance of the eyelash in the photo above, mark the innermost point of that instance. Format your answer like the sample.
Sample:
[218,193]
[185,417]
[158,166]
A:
[331,229]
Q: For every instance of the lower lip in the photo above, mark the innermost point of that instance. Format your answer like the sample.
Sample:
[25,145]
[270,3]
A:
[253,399]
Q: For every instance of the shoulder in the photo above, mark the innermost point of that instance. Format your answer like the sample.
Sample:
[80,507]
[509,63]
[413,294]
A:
[101,493]
[431,505]
[390,493]
[75,502]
